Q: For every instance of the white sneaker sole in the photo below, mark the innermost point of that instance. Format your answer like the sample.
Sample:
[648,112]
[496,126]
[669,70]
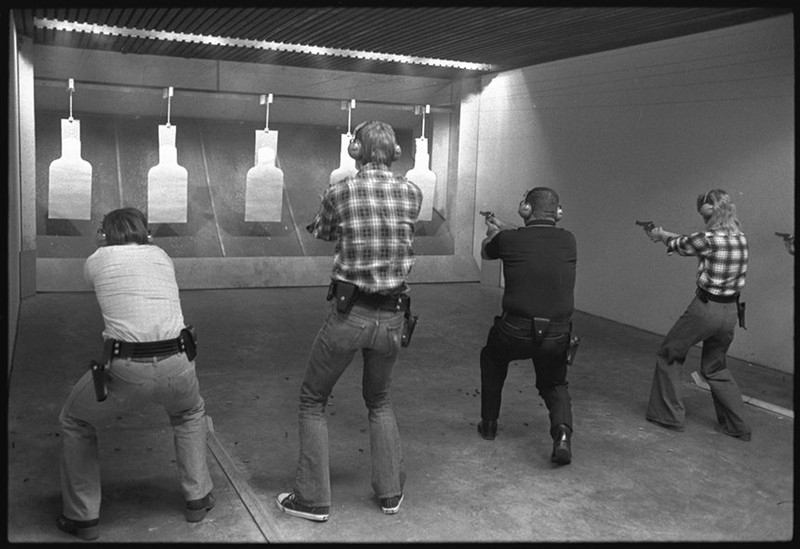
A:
[395,509]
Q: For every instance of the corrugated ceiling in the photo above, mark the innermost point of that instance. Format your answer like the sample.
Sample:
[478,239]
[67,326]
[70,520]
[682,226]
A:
[503,37]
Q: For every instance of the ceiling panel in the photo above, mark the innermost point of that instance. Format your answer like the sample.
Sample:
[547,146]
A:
[502,37]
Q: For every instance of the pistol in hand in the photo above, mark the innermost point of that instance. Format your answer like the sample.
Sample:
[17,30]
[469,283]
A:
[487,215]
[785,236]
[648,226]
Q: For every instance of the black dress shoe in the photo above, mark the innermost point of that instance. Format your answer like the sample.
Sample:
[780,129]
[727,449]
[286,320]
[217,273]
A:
[488,429]
[562,453]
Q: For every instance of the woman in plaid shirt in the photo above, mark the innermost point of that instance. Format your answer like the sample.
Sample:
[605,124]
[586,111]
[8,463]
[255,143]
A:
[711,317]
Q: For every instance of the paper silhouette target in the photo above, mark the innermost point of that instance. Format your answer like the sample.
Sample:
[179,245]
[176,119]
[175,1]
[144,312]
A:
[264,185]
[423,178]
[167,182]
[70,177]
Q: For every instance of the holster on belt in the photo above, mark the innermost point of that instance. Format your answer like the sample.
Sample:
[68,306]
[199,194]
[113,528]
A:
[409,323]
[99,378]
[740,313]
[188,341]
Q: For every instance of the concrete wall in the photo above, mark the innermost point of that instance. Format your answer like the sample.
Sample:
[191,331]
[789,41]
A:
[21,252]
[638,133]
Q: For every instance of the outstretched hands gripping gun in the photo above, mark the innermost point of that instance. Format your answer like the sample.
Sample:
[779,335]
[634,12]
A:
[788,241]
[647,225]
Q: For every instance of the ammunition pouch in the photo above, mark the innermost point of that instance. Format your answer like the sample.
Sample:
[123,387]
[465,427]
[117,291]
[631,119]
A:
[344,294]
[540,327]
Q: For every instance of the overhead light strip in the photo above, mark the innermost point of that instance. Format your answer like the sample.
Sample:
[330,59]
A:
[72,26]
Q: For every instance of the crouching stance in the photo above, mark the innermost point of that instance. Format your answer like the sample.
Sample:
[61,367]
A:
[149,357]
[539,262]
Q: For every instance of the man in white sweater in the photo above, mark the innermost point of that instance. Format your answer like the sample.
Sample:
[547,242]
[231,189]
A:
[148,357]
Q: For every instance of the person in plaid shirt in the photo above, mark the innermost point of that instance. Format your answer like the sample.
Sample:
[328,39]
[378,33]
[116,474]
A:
[371,216]
[722,252]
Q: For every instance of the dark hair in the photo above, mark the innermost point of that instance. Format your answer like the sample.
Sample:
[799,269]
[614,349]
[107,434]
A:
[378,142]
[125,226]
[544,202]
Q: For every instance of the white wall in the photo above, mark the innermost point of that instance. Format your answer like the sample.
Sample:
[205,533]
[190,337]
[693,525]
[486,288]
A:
[638,133]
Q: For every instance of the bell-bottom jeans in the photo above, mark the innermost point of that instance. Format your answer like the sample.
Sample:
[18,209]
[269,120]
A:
[376,333]
[712,323]
[169,381]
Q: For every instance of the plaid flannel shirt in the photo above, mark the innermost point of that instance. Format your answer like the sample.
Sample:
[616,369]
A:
[372,218]
[722,259]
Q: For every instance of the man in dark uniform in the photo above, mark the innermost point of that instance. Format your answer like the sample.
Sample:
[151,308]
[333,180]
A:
[539,263]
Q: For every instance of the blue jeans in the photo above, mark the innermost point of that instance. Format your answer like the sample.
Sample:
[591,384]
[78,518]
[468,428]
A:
[168,381]
[549,356]
[376,333]
[713,324]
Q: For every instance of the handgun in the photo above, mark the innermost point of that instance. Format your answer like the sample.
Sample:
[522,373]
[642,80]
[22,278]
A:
[487,214]
[647,225]
[409,323]
[572,349]
[785,236]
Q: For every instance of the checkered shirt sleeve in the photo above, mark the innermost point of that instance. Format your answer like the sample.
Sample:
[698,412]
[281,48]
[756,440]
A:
[372,218]
[722,259]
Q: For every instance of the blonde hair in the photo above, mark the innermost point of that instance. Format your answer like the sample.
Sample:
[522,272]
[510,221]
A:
[723,212]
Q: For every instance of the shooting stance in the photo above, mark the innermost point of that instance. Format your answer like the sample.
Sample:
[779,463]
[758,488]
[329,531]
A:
[148,357]
[722,253]
[539,262]
[371,216]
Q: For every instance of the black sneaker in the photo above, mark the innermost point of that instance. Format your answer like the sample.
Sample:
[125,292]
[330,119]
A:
[87,530]
[287,502]
[196,509]
[390,506]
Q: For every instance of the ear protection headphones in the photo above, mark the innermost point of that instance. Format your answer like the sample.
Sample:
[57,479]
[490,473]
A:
[356,146]
[525,209]
[704,206]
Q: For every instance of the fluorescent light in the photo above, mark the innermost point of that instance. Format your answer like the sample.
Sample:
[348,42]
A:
[71,26]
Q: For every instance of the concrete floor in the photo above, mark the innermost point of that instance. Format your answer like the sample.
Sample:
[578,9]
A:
[629,480]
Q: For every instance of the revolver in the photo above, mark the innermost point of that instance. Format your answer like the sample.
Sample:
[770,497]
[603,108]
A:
[785,236]
[647,225]
[487,214]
